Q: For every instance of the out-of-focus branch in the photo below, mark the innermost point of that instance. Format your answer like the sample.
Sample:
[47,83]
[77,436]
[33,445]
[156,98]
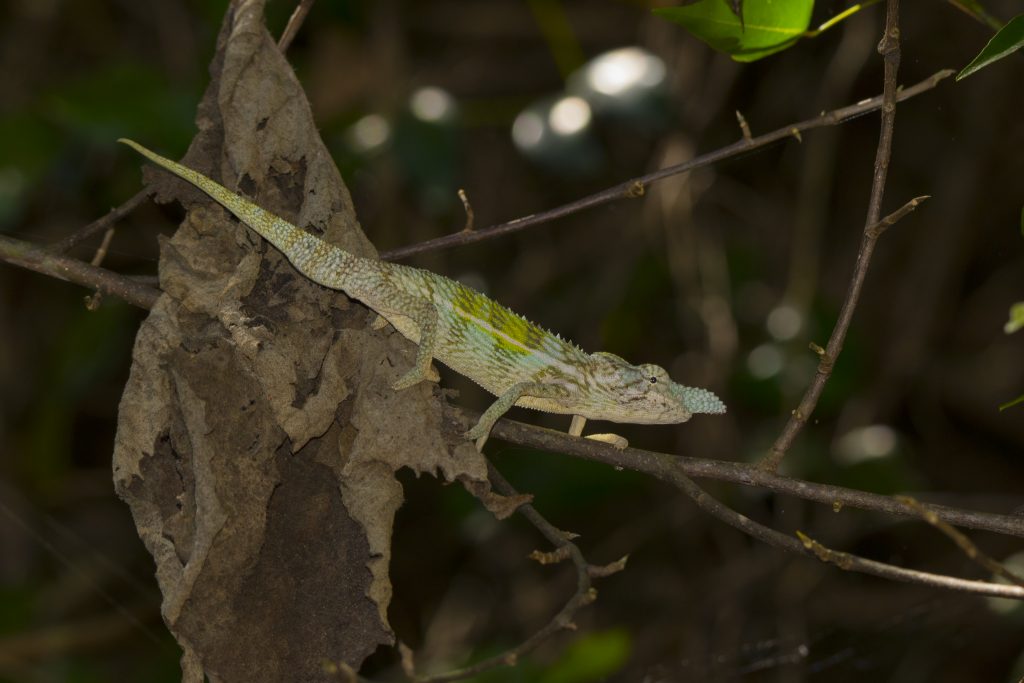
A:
[294,24]
[585,594]
[101,223]
[636,187]
[46,262]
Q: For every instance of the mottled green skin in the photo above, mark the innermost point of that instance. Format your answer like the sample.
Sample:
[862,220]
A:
[517,361]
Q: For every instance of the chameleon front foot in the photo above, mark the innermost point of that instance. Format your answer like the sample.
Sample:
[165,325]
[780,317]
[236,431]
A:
[619,442]
[576,429]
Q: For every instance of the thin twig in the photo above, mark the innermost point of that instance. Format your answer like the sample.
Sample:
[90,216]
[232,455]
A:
[101,223]
[470,218]
[93,301]
[294,24]
[562,621]
[628,189]
[101,251]
[657,465]
[744,127]
[972,551]
[889,48]
[44,261]
[896,216]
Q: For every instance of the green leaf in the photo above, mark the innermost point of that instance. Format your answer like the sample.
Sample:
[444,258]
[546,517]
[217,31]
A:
[767,25]
[1009,39]
[592,658]
[1016,320]
[1010,404]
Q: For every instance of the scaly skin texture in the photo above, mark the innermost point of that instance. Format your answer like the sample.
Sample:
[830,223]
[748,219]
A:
[520,363]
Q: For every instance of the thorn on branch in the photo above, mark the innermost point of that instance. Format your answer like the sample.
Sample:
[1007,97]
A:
[744,127]
[875,230]
[553,557]
[470,217]
[836,557]
[817,349]
[601,571]
[636,190]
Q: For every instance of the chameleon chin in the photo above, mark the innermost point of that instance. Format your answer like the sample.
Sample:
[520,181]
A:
[519,362]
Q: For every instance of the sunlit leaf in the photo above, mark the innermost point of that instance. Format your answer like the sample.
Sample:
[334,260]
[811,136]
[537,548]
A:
[1008,40]
[767,25]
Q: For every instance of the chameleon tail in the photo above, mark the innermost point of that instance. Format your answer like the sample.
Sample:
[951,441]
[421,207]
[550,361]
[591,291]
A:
[275,230]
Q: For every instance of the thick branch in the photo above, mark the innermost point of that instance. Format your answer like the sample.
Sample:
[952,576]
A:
[659,465]
[43,261]
[889,47]
[637,186]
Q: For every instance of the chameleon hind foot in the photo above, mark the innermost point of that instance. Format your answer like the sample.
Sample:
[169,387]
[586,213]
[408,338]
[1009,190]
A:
[478,435]
[415,376]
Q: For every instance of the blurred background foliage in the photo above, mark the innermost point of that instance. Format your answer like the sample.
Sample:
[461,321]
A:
[723,276]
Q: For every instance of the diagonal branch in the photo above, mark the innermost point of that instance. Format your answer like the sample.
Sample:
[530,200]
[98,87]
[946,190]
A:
[636,187]
[889,48]
[961,540]
[101,223]
[294,24]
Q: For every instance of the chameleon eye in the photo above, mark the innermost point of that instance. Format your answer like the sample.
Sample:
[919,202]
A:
[653,380]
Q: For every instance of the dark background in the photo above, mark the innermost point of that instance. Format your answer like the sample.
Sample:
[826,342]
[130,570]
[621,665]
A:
[689,277]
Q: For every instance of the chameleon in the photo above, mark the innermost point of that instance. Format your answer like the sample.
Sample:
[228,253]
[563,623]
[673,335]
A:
[519,362]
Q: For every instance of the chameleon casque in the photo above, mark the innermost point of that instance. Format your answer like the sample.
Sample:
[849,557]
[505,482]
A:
[519,362]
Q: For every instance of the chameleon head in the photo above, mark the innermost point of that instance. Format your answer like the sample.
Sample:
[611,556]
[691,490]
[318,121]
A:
[644,394]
